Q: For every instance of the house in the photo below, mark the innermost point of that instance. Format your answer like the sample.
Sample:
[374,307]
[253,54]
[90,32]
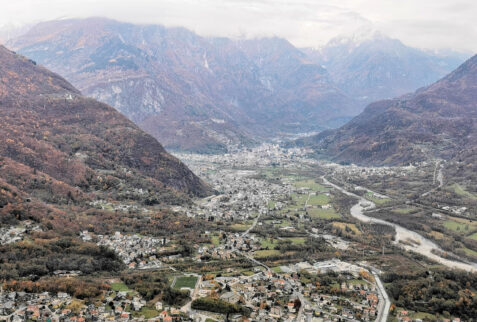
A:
[291,307]
[158,306]
[276,312]
[230,297]
[163,315]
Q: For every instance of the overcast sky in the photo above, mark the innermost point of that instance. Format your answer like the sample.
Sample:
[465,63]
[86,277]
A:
[432,24]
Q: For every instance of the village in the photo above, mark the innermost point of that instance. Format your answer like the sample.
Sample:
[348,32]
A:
[291,295]
[331,290]
[136,251]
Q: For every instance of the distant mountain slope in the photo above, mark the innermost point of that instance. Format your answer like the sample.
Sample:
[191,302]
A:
[437,121]
[190,92]
[58,148]
[370,66]
[302,92]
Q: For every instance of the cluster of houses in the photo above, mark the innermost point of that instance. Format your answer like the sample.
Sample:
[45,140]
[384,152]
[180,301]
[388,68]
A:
[231,243]
[115,306]
[243,196]
[21,306]
[405,316]
[285,296]
[13,234]
[105,205]
[267,154]
[136,251]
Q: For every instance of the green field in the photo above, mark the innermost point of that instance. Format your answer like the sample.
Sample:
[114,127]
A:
[271,204]
[266,243]
[378,201]
[311,184]
[215,240]
[319,213]
[277,269]
[469,252]
[473,236]
[185,281]
[404,211]
[297,240]
[266,253]
[319,200]
[462,192]
[148,313]
[423,316]
[240,227]
[119,287]
[459,225]
[455,226]
[357,282]
[300,199]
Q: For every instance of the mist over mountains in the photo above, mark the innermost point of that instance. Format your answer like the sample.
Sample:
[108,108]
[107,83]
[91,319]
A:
[204,94]
[369,66]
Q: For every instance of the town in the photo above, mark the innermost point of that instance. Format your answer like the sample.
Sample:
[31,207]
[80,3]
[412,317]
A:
[264,207]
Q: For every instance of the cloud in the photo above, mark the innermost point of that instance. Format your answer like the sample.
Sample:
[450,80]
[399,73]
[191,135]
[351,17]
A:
[424,23]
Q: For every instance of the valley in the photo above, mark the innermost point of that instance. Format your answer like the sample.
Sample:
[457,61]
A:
[283,237]
[234,178]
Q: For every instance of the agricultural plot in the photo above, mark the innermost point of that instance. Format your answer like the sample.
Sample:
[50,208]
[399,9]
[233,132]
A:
[345,227]
[378,201]
[185,281]
[319,213]
[460,191]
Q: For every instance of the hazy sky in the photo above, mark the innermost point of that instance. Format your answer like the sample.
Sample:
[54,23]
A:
[433,24]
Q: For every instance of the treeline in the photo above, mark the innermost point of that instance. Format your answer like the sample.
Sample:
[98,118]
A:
[153,284]
[37,258]
[79,288]
[218,306]
[442,291]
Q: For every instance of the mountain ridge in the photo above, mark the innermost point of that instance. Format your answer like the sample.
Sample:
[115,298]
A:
[437,121]
[172,82]
[372,66]
[59,148]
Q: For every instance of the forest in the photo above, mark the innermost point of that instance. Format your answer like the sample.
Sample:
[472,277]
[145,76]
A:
[441,291]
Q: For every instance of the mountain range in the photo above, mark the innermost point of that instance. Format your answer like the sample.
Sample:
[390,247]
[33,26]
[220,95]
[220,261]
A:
[437,121]
[370,66]
[188,91]
[204,94]
[60,150]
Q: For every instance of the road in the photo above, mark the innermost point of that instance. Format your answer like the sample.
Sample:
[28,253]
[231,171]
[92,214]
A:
[384,302]
[245,233]
[421,245]
[438,176]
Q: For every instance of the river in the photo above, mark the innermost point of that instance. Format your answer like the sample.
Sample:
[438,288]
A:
[420,245]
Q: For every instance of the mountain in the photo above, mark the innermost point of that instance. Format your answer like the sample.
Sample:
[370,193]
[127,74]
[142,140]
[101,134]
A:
[302,92]
[61,151]
[190,92]
[370,66]
[436,121]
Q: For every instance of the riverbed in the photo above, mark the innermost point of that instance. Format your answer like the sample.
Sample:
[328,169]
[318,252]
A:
[419,244]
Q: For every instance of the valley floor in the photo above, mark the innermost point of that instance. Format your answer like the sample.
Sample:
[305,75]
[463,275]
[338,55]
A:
[284,237]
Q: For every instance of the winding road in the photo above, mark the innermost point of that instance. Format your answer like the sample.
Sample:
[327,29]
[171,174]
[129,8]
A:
[420,244]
